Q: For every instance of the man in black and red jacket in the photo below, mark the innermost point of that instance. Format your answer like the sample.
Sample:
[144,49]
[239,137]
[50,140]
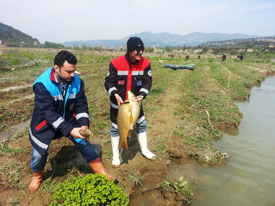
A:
[129,72]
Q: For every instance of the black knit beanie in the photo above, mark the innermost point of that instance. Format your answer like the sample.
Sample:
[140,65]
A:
[134,43]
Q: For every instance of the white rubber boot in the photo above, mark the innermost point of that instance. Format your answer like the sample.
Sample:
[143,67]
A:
[142,139]
[115,143]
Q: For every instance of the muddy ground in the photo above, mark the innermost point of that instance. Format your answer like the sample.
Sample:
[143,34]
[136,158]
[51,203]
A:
[173,115]
[161,126]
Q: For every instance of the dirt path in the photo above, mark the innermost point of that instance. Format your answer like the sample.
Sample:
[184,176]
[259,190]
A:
[160,134]
[165,121]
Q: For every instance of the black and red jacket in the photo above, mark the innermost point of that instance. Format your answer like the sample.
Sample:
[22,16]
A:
[124,76]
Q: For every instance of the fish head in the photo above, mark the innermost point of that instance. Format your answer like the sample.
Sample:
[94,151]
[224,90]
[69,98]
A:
[131,96]
[126,101]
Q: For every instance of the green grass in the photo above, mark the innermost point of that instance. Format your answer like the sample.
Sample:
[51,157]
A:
[5,149]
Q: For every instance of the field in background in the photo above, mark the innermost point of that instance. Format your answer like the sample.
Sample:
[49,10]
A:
[184,110]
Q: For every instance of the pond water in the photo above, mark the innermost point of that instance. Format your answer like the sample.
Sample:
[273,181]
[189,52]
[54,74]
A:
[249,176]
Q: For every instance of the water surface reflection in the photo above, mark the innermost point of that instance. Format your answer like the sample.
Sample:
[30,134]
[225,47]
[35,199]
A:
[249,176]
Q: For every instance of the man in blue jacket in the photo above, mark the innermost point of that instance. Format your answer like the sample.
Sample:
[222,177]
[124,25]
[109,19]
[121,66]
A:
[60,109]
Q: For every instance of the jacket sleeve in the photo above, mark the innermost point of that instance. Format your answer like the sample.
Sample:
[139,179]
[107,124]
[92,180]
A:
[146,82]
[45,104]
[110,80]
[81,107]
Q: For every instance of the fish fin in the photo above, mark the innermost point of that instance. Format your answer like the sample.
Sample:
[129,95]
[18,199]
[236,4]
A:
[131,121]
[126,145]
[120,146]
[123,144]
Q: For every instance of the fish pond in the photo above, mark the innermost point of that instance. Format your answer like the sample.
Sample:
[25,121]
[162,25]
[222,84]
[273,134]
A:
[249,176]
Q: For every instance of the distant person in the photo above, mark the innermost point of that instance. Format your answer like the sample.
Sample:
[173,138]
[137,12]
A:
[240,57]
[223,57]
[129,72]
[60,109]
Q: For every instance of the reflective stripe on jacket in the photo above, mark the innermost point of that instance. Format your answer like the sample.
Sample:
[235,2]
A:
[124,76]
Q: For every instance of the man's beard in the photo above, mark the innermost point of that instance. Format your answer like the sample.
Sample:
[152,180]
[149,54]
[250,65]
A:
[68,80]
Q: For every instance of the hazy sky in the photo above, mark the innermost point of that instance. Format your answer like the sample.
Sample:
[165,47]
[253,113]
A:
[69,20]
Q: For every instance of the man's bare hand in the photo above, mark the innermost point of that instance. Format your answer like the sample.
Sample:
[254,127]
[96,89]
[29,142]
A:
[139,98]
[119,100]
[75,133]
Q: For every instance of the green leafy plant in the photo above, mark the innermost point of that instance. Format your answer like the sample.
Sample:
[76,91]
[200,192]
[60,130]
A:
[92,190]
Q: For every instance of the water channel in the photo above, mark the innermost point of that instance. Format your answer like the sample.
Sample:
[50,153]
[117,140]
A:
[249,176]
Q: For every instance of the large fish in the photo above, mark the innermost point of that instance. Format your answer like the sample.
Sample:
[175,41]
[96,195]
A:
[128,114]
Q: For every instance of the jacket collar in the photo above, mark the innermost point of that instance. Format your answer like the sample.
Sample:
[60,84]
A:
[128,59]
[53,76]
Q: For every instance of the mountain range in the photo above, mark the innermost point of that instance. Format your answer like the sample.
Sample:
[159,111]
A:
[12,36]
[162,39]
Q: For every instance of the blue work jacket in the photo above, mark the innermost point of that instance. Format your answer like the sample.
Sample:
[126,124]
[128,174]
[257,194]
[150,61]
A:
[55,113]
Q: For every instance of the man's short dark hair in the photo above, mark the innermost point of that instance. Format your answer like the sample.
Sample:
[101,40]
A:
[63,56]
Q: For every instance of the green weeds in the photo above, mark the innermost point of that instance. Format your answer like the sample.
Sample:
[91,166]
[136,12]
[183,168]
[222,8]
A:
[181,187]
[160,149]
[11,172]
[137,179]
[10,151]
[14,200]
[108,153]
[47,186]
